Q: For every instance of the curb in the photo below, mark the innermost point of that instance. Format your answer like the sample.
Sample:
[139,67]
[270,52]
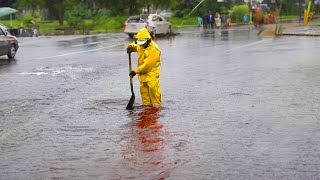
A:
[271,32]
[296,34]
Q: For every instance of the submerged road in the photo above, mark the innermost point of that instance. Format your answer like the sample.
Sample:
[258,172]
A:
[236,106]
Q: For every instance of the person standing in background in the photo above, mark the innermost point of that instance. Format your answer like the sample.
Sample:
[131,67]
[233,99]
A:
[217,20]
[199,21]
[211,20]
[208,19]
[204,21]
[245,19]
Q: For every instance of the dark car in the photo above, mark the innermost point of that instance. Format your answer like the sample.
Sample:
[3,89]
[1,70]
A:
[8,43]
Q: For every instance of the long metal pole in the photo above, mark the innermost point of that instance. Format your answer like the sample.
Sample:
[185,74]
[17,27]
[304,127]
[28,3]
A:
[196,7]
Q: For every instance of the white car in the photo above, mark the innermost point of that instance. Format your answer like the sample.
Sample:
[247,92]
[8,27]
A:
[152,21]
[166,14]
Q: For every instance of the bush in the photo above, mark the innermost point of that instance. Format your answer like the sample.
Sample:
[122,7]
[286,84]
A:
[76,15]
[30,22]
[238,12]
[224,10]
[181,13]
[104,23]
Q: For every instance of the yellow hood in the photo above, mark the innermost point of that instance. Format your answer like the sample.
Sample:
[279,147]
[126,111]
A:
[143,34]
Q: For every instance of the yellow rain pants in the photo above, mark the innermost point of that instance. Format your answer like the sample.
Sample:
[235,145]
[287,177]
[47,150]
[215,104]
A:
[151,93]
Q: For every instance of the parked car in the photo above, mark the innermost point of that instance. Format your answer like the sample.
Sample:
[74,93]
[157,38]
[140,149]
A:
[8,43]
[166,14]
[154,22]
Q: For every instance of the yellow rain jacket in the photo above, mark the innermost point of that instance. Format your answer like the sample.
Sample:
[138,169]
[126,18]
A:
[148,69]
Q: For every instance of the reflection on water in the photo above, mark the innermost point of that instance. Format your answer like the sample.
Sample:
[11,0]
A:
[149,137]
[224,35]
[144,151]
[4,62]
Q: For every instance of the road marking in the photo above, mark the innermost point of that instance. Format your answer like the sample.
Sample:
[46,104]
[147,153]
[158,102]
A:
[240,47]
[79,52]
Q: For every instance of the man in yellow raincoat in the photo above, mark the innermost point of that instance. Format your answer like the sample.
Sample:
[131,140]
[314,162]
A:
[148,69]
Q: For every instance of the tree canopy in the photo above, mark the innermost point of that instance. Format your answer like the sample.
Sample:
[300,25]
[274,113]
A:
[63,9]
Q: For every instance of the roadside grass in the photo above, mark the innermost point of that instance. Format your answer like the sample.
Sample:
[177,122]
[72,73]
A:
[48,27]
[95,25]
[288,17]
[179,22]
[101,25]
[15,23]
[105,24]
[44,26]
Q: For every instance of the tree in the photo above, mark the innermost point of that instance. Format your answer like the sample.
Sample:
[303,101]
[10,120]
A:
[159,3]
[168,3]
[184,7]
[7,3]
[238,12]
[57,8]
[30,4]
[76,14]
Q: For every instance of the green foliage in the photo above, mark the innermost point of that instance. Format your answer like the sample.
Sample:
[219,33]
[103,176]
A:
[45,27]
[224,10]
[288,17]
[15,23]
[238,12]
[101,15]
[49,27]
[76,14]
[30,22]
[289,8]
[213,6]
[105,15]
[59,9]
[178,22]
[181,13]
[29,4]
[104,24]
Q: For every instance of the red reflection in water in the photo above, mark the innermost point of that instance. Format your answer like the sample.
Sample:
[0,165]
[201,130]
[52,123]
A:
[145,146]
[147,121]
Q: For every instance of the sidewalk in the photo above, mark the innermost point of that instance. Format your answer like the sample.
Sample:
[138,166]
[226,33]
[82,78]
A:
[294,28]
[312,30]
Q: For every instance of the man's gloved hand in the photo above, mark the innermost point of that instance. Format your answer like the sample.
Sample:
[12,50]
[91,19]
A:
[129,49]
[132,73]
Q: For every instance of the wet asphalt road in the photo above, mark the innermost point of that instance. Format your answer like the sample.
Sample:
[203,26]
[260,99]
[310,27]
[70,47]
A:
[236,106]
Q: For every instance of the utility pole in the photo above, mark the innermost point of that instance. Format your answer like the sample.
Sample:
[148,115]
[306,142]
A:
[250,9]
[278,9]
[300,12]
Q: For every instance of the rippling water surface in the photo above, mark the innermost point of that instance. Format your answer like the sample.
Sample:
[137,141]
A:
[236,106]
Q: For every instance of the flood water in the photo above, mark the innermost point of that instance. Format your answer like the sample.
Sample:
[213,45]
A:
[236,106]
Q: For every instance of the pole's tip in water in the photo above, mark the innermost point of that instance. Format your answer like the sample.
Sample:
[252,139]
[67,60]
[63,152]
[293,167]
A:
[131,102]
